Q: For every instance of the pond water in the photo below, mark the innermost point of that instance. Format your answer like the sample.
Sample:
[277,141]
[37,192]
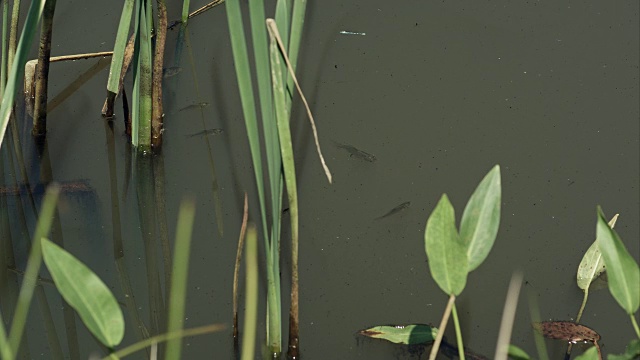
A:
[439,92]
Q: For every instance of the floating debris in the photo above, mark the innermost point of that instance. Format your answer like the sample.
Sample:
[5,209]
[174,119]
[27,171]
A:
[344,32]
[568,331]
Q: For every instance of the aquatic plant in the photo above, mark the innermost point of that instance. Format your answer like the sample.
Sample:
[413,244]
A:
[275,90]
[91,298]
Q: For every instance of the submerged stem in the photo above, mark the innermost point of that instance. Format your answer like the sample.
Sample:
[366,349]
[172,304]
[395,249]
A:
[458,333]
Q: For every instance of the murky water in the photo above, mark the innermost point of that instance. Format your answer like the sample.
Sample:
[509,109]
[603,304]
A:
[438,92]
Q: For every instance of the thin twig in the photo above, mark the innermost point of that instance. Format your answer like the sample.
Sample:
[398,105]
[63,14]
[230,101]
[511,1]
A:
[196,13]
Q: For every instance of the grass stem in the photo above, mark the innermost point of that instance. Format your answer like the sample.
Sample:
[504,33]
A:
[456,324]
[179,277]
[443,325]
[508,317]
[635,325]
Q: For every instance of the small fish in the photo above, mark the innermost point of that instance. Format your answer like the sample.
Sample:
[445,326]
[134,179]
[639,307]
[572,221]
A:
[207,132]
[395,210]
[345,32]
[195,106]
[354,151]
[171,71]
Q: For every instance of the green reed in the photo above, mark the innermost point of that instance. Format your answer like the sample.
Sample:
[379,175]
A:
[275,138]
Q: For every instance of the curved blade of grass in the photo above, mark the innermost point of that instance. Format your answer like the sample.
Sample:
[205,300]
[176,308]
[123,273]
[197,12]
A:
[33,267]
[120,44]
[17,67]
[251,302]
[623,271]
[481,218]
[86,293]
[273,29]
[164,337]
[286,149]
[592,264]
[236,268]
[447,255]
[402,334]
[179,277]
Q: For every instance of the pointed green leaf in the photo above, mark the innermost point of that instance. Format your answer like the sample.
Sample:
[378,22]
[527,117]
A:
[590,354]
[446,253]
[623,271]
[517,353]
[592,264]
[481,218]
[632,352]
[403,334]
[86,293]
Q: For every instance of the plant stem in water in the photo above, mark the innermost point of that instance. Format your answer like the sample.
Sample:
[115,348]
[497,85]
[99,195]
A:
[458,333]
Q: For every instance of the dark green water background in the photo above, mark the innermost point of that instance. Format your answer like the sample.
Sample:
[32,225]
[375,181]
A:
[439,92]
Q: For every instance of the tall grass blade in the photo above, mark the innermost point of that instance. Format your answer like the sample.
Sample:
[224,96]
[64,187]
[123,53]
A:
[508,317]
[236,268]
[4,51]
[286,149]
[179,276]
[251,303]
[271,26]
[33,268]
[622,270]
[297,23]
[120,44]
[145,74]
[13,34]
[243,74]
[185,11]
[269,126]
[481,218]
[283,20]
[86,293]
[446,253]
[17,67]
